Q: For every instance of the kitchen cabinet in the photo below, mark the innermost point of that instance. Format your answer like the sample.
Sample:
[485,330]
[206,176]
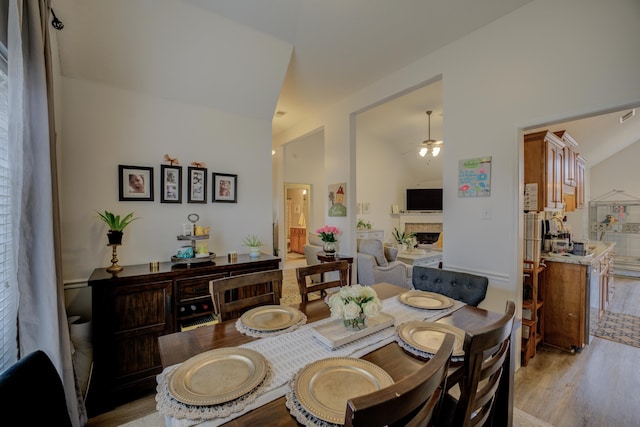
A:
[570,154]
[576,292]
[565,305]
[135,306]
[544,166]
[580,183]
[297,239]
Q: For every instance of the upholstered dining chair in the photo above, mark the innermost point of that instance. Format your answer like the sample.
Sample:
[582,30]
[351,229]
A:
[485,351]
[31,389]
[306,286]
[412,401]
[236,294]
[468,288]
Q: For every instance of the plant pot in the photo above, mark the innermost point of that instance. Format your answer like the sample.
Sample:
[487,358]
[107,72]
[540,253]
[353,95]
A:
[357,324]
[115,237]
[254,251]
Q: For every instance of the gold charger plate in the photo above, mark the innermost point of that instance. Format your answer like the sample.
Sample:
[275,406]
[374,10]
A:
[217,376]
[424,299]
[271,317]
[428,336]
[323,387]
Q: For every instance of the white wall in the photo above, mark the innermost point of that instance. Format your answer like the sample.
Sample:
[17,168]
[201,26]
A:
[547,61]
[104,127]
[304,164]
[381,182]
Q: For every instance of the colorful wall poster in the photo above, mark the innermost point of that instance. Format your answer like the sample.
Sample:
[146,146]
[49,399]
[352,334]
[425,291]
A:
[337,197]
[474,177]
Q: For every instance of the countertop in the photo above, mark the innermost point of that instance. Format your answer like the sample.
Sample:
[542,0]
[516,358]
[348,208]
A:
[601,249]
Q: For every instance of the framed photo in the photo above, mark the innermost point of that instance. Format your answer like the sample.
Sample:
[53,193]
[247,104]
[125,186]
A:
[225,188]
[197,185]
[171,190]
[136,183]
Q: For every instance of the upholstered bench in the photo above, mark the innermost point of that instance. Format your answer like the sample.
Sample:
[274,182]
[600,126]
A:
[468,288]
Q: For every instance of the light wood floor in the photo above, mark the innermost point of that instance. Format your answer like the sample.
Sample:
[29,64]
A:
[594,388]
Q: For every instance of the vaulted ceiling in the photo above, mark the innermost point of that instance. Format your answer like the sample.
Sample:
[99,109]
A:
[297,57]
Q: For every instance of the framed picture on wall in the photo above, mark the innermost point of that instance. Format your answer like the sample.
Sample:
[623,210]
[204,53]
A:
[171,178]
[197,185]
[135,183]
[225,188]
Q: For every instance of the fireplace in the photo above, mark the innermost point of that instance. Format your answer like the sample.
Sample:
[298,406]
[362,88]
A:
[426,227]
[427,238]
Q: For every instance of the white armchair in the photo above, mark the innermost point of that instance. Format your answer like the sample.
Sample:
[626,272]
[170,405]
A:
[377,263]
[311,249]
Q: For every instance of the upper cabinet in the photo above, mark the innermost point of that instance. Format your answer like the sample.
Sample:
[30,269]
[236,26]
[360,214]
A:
[570,158]
[552,160]
[544,165]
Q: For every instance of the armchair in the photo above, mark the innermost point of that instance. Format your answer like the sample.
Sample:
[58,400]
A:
[311,249]
[377,263]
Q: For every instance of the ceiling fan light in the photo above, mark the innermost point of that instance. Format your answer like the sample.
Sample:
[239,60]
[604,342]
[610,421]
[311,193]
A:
[435,151]
[423,151]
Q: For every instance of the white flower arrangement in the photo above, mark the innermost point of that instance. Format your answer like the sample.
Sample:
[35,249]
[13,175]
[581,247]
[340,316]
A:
[353,303]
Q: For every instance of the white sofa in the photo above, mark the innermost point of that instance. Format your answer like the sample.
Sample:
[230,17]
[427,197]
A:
[377,263]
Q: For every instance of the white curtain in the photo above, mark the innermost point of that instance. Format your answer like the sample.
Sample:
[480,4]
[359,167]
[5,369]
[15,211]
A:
[42,320]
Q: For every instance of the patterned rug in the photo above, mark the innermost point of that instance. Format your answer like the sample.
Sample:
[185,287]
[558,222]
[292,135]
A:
[619,327]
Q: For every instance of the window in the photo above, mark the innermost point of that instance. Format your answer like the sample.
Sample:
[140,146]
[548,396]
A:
[8,285]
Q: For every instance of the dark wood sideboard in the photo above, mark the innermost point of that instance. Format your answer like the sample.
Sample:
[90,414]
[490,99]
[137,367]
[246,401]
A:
[135,306]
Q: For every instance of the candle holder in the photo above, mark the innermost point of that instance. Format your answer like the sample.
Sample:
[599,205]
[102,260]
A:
[114,260]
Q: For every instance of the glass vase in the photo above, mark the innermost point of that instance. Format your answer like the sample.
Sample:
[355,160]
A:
[329,248]
[357,324]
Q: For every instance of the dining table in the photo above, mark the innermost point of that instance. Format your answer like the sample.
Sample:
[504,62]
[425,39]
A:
[179,347]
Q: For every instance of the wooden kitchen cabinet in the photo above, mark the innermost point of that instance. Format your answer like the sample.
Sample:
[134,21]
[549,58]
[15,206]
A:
[570,154]
[297,239]
[565,305]
[544,165]
[580,169]
[135,306]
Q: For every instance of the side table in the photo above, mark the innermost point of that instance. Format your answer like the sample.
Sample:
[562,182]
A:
[323,257]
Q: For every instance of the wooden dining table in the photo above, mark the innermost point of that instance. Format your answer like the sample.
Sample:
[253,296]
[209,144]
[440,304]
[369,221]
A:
[180,346]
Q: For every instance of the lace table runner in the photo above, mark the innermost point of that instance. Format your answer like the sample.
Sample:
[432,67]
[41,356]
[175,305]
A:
[288,353]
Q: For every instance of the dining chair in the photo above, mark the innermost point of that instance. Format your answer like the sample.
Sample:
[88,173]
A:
[234,295]
[31,389]
[412,401]
[306,286]
[485,351]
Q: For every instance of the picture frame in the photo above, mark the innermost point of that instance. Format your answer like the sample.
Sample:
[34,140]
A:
[225,188]
[171,184]
[197,185]
[135,183]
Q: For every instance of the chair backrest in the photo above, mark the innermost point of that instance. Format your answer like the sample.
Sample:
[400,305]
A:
[305,286]
[485,353]
[468,288]
[234,295]
[412,401]
[32,390]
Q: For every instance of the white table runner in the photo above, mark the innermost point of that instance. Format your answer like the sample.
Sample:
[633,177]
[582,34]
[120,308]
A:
[288,353]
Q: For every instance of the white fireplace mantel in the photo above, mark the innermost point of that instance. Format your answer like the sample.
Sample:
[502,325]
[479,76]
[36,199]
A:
[420,218]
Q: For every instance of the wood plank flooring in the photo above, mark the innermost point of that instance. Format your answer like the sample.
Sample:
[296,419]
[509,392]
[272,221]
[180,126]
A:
[594,388]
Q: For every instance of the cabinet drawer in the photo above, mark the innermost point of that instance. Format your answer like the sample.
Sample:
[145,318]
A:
[195,288]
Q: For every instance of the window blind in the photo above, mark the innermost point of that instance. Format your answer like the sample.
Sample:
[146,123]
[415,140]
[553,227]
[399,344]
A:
[8,285]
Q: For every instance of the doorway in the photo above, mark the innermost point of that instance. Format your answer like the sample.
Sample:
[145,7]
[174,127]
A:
[297,219]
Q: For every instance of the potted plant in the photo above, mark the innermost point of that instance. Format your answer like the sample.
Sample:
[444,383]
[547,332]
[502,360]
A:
[254,243]
[402,239]
[116,225]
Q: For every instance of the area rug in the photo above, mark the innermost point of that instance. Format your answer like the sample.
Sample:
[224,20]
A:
[619,327]
[520,419]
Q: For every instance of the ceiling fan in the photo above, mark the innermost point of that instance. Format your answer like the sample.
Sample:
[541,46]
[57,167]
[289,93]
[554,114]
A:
[430,145]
